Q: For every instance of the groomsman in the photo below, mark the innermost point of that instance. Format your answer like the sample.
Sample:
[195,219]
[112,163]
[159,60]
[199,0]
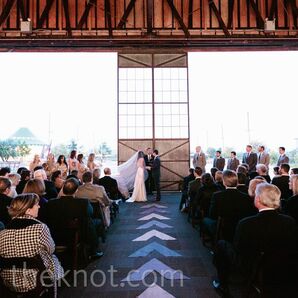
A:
[148,161]
[199,159]
[263,157]
[282,157]
[156,173]
[233,162]
[250,158]
[219,161]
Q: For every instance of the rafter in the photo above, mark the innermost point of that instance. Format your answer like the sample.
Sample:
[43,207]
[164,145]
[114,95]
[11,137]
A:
[149,16]
[67,18]
[272,9]
[45,13]
[219,18]
[294,11]
[178,17]
[6,11]
[22,9]
[190,14]
[260,21]
[126,14]
[85,14]
[108,16]
[230,13]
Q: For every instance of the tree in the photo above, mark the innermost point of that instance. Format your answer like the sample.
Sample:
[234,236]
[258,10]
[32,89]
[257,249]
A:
[23,149]
[211,152]
[60,149]
[104,149]
[73,145]
[227,152]
[12,149]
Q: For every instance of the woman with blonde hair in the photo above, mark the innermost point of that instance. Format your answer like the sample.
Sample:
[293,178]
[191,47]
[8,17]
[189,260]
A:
[253,185]
[27,237]
[91,164]
[291,204]
[36,162]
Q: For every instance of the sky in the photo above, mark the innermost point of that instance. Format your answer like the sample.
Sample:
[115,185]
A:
[64,96]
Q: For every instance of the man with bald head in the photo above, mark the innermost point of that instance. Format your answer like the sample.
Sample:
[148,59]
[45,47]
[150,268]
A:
[110,184]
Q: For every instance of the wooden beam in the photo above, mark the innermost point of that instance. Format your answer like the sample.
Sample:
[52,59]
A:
[108,16]
[22,10]
[67,18]
[272,9]
[85,14]
[6,11]
[230,13]
[45,13]
[294,11]
[260,21]
[190,14]
[149,16]
[178,17]
[219,18]
[126,14]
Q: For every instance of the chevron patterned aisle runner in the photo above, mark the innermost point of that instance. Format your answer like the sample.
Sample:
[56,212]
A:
[151,251]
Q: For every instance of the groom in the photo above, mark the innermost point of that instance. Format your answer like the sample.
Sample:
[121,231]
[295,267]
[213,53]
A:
[156,173]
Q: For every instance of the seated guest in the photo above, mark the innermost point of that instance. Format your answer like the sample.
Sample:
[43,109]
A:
[51,191]
[253,185]
[230,204]
[184,190]
[4,171]
[194,185]
[26,237]
[204,194]
[110,184]
[2,227]
[15,180]
[294,171]
[96,176]
[20,169]
[25,176]
[291,204]
[57,179]
[242,180]
[68,207]
[213,171]
[282,181]
[5,200]
[219,180]
[268,232]
[262,171]
[276,171]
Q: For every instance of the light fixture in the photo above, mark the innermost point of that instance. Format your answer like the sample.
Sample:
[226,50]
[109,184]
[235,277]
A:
[26,26]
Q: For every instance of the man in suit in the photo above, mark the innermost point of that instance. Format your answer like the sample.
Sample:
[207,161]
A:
[68,207]
[269,232]
[250,158]
[231,205]
[5,200]
[282,157]
[149,183]
[109,184]
[233,162]
[156,173]
[199,159]
[263,157]
[184,190]
[194,185]
[219,161]
[282,181]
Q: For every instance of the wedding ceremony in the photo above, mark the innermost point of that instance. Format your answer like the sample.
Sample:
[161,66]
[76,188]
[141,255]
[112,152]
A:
[149,148]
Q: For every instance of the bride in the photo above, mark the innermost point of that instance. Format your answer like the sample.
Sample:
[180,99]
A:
[133,173]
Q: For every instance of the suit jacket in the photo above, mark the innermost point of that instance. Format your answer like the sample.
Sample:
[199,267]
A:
[199,160]
[268,231]
[282,182]
[59,211]
[291,207]
[264,158]
[110,185]
[148,161]
[4,203]
[156,167]
[233,164]
[193,188]
[282,159]
[251,160]
[219,163]
[95,193]
[51,191]
[232,205]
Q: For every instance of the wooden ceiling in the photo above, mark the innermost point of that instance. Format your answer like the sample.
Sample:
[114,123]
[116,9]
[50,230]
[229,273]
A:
[123,25]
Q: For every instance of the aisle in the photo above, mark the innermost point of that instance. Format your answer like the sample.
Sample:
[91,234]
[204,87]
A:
[157,241]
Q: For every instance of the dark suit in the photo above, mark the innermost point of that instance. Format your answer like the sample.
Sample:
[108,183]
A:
[110,185]
[268,232]
[291,207]
[282,159]
[282,182]
[184,196]
[232,205]
[156,175]
[51,191]
[193,188]
[233,163]
[219,163]
[149,183]
[251,160]
[59,211]
[243,188]
[4,203]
